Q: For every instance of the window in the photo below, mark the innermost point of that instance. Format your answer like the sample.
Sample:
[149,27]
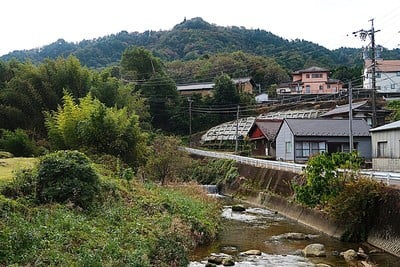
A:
[328,86]
[316,75]
[381,149]
[308,89]
[307,76]
[377,75]
[393,86]
[398,73]
[321,87]
[288,147]
[306,149]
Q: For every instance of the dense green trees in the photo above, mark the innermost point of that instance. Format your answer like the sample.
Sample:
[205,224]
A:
[146,70]
[194,39]
[29,90]
[91,126]
[225,92]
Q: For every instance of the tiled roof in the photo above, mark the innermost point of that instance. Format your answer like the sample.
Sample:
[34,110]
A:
[269,127]
[327,127]
[384,65]
[390,126]
[330,80]
[344,108]
[309,114]
[311,69]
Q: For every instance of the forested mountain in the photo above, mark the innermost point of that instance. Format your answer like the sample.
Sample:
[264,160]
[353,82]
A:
[193,39]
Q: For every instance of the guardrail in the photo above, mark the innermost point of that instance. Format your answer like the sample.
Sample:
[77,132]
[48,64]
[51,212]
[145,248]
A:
[390,178]
[271,164]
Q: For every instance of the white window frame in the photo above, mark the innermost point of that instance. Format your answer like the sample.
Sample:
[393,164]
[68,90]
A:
[288,147]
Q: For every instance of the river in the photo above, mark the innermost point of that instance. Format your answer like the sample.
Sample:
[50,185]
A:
[261,229]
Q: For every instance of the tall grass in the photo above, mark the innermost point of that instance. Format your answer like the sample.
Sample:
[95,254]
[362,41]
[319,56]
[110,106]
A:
[135,225]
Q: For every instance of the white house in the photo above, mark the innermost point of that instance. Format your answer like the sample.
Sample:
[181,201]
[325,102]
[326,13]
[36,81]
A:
[386,147]
[387,74]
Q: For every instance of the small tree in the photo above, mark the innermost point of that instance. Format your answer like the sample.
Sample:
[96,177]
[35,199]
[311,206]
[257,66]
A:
[225,91]
[166,159]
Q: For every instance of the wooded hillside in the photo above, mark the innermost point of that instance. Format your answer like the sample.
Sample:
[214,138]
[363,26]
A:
[194,39]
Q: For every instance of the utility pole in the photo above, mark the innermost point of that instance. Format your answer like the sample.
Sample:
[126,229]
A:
[237,130]
[190,121]
[351,143]
[371,34]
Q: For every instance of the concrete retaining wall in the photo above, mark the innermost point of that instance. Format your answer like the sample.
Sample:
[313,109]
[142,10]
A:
[306,216]
[270,188]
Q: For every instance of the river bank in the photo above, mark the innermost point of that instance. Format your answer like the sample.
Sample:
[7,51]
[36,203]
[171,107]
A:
[271,189]
[259,229]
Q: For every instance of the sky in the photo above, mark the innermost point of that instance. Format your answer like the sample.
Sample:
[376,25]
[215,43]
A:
[27,24]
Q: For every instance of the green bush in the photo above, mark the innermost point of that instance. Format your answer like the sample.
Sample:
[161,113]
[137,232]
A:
[67,176]
[321,180]
[356,207]
[17,143]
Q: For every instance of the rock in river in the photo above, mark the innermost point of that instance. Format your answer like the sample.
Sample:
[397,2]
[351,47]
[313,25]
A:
[314,250]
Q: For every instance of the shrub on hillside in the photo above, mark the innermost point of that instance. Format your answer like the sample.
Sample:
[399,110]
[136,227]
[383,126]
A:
[67,176]
[18,143]
[215,171]
[356,207]
[23,185]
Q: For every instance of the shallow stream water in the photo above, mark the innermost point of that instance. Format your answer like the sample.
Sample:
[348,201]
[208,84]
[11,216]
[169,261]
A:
[259,229]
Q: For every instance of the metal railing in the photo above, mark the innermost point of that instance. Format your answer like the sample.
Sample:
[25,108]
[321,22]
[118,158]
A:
[271,164]
[390,178]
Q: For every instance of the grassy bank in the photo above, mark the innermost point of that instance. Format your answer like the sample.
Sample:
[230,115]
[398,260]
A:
[9,165]
[134,224]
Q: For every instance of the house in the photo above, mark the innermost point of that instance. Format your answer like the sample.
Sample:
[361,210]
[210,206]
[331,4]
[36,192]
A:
[386,147]
[298,139]
[204,89]
[243,85]
[361,109]
[387,75]
[261,98]
[262,136]
[314,80]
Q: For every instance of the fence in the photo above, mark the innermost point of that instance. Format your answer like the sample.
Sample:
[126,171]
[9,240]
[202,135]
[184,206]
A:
[390,178]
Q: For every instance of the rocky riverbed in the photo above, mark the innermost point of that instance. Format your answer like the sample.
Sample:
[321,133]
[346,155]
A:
[254,236]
